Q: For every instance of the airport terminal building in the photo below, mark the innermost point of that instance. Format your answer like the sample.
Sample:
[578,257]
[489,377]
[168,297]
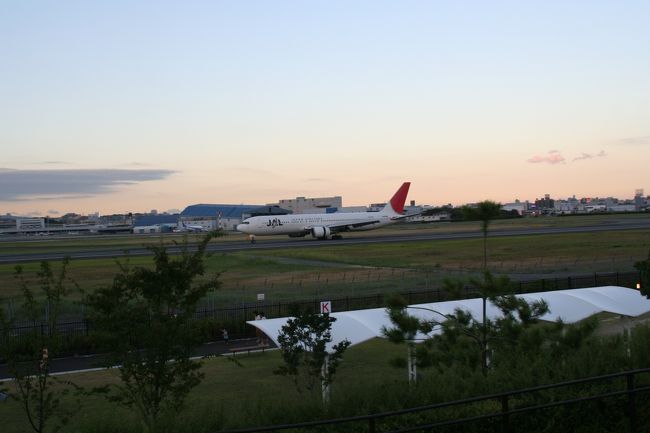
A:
[224,216]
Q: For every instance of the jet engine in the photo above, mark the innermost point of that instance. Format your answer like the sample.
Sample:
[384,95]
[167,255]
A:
[321,232]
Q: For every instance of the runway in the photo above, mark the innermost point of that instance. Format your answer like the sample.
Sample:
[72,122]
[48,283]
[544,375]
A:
[349,239]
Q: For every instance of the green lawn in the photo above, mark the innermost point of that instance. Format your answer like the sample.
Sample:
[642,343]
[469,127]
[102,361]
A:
[248,393]
[228,390]
[349,270]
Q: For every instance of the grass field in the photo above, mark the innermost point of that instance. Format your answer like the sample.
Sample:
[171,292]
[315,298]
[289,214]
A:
[339,270]
[227,388]
[249,393]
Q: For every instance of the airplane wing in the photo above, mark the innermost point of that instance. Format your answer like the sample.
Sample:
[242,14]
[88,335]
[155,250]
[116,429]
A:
[347,227]
[401,217]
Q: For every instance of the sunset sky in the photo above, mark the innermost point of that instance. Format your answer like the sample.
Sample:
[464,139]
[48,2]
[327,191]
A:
[122,106]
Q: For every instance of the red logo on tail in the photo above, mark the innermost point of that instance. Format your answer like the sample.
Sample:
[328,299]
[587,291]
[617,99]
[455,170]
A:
[398,200]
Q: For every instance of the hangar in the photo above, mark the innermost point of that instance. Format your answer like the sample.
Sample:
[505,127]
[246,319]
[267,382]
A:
[570,306]
[225,216]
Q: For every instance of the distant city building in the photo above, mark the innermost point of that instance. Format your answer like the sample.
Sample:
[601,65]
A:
[301,205]
[424,214]
[545,205]
[141,230]
[640,202]
[154,223]
[565,207]
[520,207]
[7,222]
[347,209]
[266,210]
[622,208]
[215,216]
[30,224]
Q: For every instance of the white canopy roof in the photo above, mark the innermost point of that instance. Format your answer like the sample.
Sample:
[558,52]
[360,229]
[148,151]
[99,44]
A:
[568,305]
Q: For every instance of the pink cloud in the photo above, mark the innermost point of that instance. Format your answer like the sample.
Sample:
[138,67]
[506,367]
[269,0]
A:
[552,157]
[589,156]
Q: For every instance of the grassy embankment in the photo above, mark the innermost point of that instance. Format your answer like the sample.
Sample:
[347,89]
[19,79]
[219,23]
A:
[338,270]
[233,396]
[228,390]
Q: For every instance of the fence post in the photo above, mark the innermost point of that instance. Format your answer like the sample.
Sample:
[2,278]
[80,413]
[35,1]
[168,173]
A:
[631,407]
[505,417]
[371,425]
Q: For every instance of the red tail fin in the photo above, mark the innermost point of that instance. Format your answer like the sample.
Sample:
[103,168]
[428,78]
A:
[397,202]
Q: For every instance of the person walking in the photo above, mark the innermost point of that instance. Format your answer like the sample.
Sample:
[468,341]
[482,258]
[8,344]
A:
[258,333]
[263,339]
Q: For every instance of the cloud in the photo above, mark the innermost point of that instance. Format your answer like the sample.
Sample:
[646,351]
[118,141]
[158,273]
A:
[50,197]
[635,141]
[552,157]
[584,156]
[21,185]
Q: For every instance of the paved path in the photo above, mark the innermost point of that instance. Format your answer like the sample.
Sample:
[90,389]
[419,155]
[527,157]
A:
[95,362]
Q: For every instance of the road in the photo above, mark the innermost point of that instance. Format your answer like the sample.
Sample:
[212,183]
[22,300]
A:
[95,362]
[263,244]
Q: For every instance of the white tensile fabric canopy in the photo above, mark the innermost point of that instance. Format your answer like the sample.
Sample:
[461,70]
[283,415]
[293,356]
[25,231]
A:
[568,305]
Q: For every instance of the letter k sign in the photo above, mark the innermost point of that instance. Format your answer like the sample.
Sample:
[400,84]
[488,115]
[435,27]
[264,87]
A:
[325,307]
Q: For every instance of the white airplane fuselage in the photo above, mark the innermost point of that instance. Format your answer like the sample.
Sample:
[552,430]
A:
[302,224]
[326,225]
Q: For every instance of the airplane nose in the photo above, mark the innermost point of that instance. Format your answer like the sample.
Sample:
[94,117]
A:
[242,228]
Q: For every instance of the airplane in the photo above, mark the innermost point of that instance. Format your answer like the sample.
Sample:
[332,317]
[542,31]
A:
[190,228]
[327,226]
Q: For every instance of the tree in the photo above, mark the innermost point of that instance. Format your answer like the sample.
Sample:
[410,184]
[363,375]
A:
[485,212]
[145,320]
[405,330]
[643,266]
[464,338]
[516,315]
[304,342]
[29,363]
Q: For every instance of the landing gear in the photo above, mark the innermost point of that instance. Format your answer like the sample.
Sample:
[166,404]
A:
[252,238]
[336,237]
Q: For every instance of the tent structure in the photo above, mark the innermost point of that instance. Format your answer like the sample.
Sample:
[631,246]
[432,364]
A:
[568,305]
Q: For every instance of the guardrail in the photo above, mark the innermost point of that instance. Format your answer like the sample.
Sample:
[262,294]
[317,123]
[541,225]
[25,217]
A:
[510,405]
